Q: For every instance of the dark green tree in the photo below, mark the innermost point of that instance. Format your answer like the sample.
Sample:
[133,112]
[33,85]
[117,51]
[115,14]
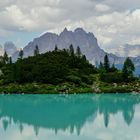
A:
[106,63]
[113,68]
[21,53]
[5,58]
[71,49]
[101,66]
[128,69]
[84,58]
[36,51]
[10,60]
[78,51]
[56,48]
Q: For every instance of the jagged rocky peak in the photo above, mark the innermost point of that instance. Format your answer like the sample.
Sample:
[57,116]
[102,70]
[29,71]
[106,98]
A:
[80,30]
[48,34]
[65,30]
[79,37]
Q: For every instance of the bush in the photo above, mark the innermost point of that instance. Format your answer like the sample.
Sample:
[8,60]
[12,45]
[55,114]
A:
[86,79]
[74,79]
[115,77]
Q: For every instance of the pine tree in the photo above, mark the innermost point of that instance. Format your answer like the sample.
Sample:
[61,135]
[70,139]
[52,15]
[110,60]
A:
[113,68]
[10,60]
[36,51]
[71,49]
[21,53]
[78,51]
[84,58]
[128,69]
[5,58]
[56,48]
[101,66]
[106,63]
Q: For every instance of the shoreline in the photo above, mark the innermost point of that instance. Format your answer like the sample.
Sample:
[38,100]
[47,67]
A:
[60,93]
[70,88]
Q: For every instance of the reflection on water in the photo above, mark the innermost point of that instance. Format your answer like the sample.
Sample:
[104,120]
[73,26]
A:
[59,112]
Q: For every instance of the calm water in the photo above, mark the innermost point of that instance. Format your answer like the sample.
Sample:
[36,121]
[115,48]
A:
[74,117]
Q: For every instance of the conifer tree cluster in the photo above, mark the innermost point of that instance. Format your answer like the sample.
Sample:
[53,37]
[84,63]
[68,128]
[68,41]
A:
[54,67]
[59,66]
[112,74]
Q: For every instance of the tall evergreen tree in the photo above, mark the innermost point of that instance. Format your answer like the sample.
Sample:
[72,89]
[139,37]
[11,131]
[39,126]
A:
[113,68]
[78,51]
[106,63]
[84,58]
[21,53]
[56,48]
[5,58]
[101,66]
[10,60]
[36,51]
[71,49]
[128,69]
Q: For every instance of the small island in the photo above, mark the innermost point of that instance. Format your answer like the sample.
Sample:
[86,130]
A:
[65,71]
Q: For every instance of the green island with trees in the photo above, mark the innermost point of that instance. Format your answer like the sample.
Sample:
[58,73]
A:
[64,71]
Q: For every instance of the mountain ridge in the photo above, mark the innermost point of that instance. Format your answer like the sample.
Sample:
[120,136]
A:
[87,42]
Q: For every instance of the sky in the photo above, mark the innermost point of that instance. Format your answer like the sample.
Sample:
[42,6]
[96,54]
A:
[113,22]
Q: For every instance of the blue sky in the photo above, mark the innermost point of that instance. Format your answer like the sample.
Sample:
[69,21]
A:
[114,23]
[20,38]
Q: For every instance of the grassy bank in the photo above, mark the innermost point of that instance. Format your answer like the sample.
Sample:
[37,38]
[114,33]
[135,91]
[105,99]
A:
[66,71]
[97,87]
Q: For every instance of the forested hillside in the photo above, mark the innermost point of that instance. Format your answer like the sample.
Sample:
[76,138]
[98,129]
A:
[54,67]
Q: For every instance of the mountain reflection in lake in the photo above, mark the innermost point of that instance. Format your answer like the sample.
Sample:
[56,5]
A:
[72,117]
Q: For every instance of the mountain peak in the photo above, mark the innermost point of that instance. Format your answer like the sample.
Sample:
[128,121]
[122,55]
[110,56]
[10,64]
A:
[65,30]
[79,30]
[79,37]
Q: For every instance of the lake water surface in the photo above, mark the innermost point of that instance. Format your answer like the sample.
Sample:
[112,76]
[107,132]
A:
[73,117]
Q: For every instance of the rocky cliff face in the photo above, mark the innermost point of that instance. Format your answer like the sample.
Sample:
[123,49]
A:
[86,41]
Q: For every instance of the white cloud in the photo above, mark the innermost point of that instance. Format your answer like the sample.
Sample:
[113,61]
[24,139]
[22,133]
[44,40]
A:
[114,23]
[102,8]
[126,50]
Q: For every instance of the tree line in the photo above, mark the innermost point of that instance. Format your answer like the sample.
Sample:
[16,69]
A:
[59,66]
[112,74]
[54,67]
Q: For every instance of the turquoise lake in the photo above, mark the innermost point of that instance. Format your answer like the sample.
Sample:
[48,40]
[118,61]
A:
[70,117]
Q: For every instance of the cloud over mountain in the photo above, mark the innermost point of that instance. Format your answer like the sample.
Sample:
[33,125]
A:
[114,23]
[79,37]
[127,50]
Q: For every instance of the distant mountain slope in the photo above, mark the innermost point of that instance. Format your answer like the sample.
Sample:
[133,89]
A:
[127,50]
[9,47]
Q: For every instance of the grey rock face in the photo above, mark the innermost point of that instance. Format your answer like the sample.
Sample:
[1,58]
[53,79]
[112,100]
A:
[86,41]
